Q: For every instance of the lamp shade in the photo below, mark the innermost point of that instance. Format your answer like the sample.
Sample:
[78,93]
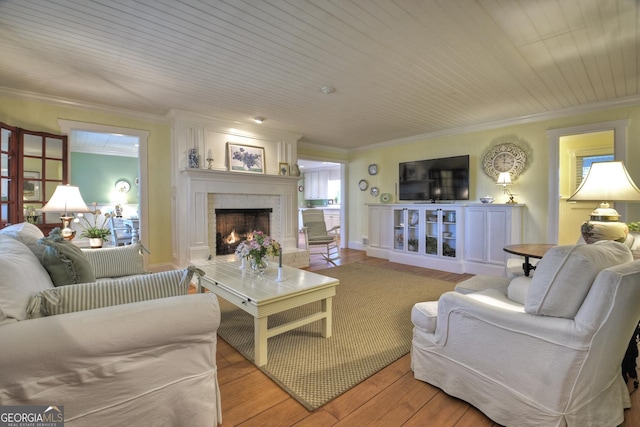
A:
[66,199]
[504,178]
[607,181]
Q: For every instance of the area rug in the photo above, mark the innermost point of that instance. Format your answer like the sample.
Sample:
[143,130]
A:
[371,329]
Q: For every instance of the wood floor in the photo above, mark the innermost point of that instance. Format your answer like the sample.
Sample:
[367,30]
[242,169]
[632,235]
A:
[392,397]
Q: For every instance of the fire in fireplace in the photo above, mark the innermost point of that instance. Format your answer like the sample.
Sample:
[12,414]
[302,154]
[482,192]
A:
[235,225]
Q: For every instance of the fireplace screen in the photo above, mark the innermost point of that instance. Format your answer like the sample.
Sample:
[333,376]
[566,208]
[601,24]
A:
[236,225]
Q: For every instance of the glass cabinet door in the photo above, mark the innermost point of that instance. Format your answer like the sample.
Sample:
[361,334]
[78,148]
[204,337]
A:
[413,230]
[398,228]
[449,218]
[432,231]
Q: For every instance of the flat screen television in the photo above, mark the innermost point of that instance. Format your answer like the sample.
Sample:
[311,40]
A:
[434,179]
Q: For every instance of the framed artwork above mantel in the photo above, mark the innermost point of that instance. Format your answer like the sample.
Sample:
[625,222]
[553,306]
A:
[246,158]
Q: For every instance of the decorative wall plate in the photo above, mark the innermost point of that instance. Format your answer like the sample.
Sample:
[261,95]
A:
[506,157]
[363,185]
[123,186]
[385,198]
[375,191]
[373,169]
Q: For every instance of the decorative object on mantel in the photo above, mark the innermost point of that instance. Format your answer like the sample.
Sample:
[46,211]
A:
[246,158]
[209,159]
[257,248]
[504,179]
[283,168]
[295,170]
[507,157]
[606,181]
[194,158]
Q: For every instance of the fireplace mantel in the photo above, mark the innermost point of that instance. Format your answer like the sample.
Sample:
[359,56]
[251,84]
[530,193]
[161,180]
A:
[193,228]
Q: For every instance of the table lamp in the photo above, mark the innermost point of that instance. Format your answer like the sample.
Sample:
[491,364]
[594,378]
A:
[66,199]
[504,179]
[606,181]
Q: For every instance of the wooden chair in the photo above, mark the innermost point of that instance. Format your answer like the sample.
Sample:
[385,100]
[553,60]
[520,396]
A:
[316,234]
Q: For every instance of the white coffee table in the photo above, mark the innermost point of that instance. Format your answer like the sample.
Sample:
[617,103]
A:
[261,296]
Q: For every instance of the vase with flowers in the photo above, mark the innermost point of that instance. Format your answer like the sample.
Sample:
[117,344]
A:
[97,234]
[256,249]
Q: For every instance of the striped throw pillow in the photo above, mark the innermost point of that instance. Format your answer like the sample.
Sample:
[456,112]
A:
[89,296]
[116,261]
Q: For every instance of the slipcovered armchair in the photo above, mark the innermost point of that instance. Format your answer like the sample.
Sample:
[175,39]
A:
[540,351]
[316,234]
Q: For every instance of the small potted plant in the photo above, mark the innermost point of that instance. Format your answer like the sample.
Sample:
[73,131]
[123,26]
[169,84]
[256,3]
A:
[96,234]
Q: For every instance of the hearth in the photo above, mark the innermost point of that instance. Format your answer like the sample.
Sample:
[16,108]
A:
[235,225]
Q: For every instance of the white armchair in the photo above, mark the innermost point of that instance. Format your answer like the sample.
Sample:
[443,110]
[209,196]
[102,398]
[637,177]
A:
[544,351]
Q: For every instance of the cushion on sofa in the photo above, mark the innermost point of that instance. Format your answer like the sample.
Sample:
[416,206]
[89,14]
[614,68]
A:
[21,277]
[116,261]
[65,262]
[518,288]
[88,296]
[565,274]
[28,234]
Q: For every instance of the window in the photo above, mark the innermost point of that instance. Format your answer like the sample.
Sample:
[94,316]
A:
[583,163]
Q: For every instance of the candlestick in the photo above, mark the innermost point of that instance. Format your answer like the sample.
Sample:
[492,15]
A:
[280,263]
[280,277]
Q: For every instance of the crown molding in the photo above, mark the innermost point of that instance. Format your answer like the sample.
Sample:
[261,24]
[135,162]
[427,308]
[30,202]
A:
[66,102]
[549,115]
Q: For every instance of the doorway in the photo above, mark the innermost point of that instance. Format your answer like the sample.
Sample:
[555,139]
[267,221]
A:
[577,135]
[328,179]
[77,130]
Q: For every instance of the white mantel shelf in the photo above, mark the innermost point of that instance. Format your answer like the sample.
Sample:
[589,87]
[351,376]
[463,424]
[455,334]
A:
[225,175]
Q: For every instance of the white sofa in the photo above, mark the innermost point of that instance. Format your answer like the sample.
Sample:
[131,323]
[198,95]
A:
[146,357]
[539,351]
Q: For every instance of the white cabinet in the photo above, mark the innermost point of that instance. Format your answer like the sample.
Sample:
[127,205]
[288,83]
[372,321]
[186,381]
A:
[488,229]
[380,232]
[332,218]
[428,236]
[316,185]
[452,237]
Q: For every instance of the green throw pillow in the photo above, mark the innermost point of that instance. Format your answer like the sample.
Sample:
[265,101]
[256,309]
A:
[65,262]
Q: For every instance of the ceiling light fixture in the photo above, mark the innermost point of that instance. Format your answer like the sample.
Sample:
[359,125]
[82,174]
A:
[259,120]
[327,90]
